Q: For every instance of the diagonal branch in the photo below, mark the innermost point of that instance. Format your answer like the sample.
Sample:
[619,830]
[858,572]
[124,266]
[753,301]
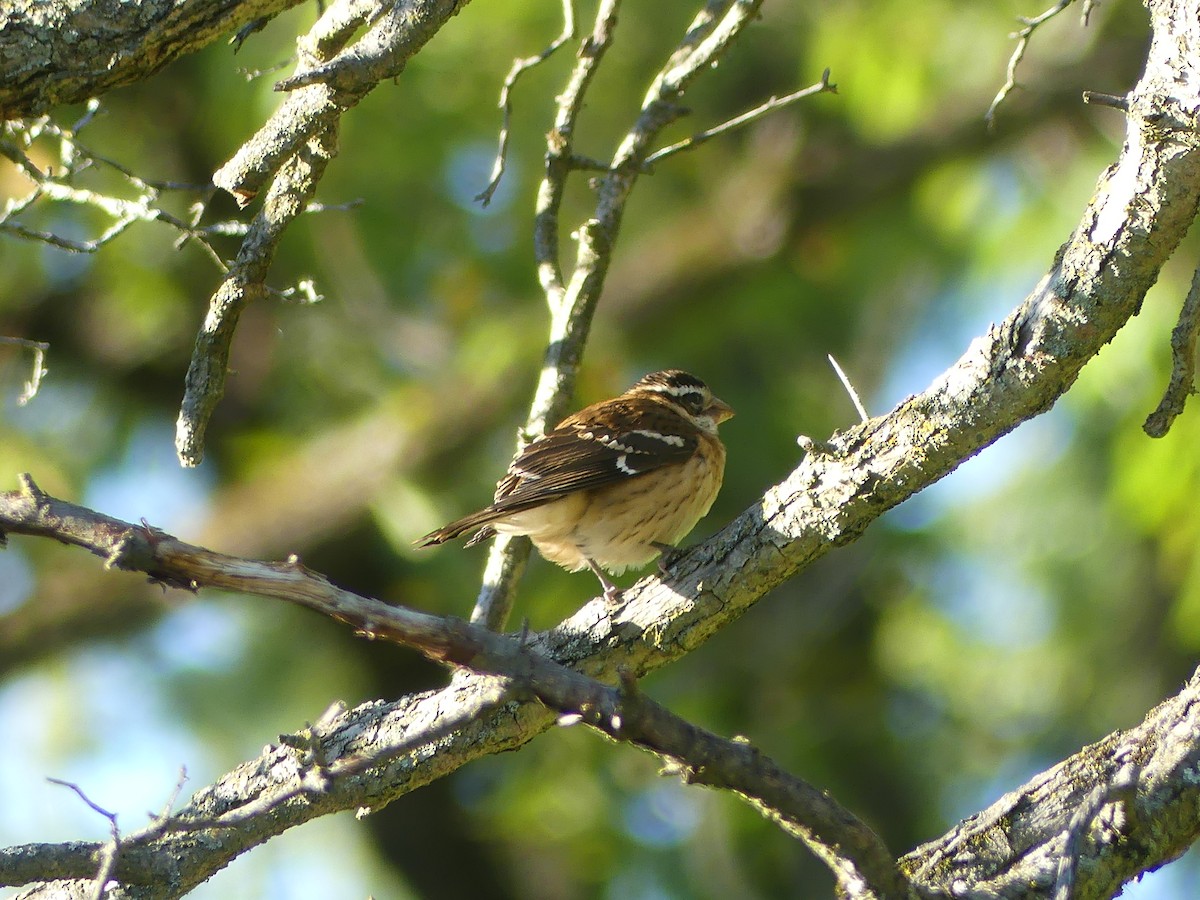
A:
[290,152]
[336,75]
[49,51]
[851,849]
[290,193]
[1023,36]
[746,118]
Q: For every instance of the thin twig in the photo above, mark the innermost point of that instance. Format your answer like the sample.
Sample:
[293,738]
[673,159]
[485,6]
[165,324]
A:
[75,158]
[1116,101]
[1022,36]
[111,849]
[1183,364]
[858,405]
[775,103]
[519,67]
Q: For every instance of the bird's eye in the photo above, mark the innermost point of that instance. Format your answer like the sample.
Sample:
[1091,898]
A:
[693,402]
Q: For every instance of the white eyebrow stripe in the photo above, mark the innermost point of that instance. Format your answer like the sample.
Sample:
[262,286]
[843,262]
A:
[676,390]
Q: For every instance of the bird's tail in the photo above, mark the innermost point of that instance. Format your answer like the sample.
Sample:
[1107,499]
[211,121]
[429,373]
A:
[461,526]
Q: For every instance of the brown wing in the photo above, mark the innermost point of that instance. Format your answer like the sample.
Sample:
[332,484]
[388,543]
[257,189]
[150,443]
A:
[594,448]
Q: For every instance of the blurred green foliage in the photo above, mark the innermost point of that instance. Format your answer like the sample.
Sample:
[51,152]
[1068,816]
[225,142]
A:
[1044,595]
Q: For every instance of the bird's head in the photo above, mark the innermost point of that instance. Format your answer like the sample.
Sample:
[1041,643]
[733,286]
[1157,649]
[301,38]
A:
[686,393]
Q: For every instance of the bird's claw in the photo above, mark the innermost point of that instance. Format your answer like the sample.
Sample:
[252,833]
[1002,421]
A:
[668,556]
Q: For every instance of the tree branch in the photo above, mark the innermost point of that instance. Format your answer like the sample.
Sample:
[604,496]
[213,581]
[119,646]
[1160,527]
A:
[852,850]
[1023,36]
[1126,804]
[292,150]
[53,53]
[334,77]
[573,302]
[291,190]
[1182,383]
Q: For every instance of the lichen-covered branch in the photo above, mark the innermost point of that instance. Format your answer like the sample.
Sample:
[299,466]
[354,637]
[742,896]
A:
[852,850]
[245,281]
[53,53]
[1140,787]
[290,153]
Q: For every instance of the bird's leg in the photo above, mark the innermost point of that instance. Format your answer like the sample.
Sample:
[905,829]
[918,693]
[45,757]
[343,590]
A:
[670,555]
[612,593]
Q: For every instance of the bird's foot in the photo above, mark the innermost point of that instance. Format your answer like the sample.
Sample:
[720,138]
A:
[612,593]
[669,555]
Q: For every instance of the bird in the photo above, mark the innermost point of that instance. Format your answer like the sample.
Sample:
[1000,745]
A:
[614,485]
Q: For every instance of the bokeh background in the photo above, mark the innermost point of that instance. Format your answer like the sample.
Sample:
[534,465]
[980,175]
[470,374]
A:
[1044,595]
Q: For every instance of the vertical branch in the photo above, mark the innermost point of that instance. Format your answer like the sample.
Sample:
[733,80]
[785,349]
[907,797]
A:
[569,321]
[572,304]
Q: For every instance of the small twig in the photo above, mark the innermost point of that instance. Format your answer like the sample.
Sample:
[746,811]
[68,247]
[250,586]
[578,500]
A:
[111,849]
[858,405]
[75,158]
[1116,101]
[1018,54]
[814,447]
[39,349]
[775,103]
[1183,364]
[160,823]
[519,67]
[255,74]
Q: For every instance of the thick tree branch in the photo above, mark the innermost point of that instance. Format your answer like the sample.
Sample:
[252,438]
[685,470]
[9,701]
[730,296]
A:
[1140,787]
[1141,209]
[53,53]
[852,850]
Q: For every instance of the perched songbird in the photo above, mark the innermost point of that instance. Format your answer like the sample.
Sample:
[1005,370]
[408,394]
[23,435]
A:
[615,484]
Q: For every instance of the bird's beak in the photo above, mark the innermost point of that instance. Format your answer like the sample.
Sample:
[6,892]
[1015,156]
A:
[719,410]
